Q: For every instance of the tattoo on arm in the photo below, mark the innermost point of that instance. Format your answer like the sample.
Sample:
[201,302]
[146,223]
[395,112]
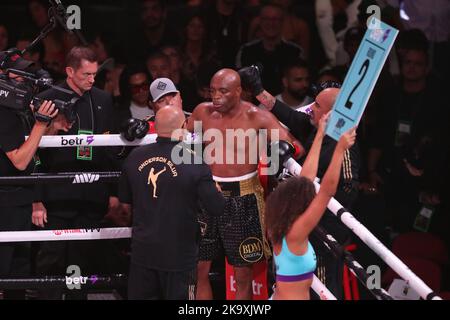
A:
[266,100]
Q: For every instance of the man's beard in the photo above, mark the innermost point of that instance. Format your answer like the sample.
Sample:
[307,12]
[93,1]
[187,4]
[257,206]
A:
[299,95]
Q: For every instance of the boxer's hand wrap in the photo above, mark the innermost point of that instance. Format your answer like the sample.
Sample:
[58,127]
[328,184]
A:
[251,79]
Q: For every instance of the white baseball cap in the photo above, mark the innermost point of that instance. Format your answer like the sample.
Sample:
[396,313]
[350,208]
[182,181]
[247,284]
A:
[160,87]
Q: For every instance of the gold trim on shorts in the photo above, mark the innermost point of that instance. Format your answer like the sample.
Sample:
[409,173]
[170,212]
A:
[253,186]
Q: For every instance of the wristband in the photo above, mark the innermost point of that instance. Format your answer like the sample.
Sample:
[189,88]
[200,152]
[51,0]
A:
[43,118]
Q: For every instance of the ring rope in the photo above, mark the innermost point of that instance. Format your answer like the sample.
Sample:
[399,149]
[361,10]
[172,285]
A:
[66,234]
[354,266]
[321,290]
[371,241]
[97,282]
[63,177]
[88,234]
[96,140]
[293,167]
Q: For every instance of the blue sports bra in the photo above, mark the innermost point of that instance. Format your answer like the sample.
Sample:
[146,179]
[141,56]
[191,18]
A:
[291,267]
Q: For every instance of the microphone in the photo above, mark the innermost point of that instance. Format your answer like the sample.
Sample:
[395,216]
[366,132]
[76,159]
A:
[60,13]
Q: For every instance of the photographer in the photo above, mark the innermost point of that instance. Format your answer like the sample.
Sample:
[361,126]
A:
[77,205]
[17,158]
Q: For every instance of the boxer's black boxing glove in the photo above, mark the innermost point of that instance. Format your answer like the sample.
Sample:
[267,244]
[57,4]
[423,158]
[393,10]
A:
[251,79]
[282,151]
[133,129]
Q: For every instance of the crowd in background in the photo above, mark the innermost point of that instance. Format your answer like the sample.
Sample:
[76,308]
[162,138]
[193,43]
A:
[404,133]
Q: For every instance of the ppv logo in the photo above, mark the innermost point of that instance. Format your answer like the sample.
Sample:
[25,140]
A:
[4,93]
[86,178]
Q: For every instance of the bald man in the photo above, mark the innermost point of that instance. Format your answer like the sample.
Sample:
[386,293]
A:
[166,231]
[303,126]
[231,131]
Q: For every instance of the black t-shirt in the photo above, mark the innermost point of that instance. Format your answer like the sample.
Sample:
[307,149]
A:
[13,129]
[403,121]
[166,231]
[226,33]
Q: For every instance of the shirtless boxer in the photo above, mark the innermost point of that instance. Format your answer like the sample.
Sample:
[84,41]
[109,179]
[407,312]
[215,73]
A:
[243,233]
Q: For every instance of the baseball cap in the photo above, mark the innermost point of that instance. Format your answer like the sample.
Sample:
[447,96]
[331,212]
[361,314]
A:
[160,87]
[12,60]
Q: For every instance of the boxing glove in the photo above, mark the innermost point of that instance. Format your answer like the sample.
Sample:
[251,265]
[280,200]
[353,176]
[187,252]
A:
[284,150]
[134,129]
[251,79]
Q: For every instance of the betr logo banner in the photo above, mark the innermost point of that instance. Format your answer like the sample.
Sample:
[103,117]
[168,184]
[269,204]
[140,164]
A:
[75,279]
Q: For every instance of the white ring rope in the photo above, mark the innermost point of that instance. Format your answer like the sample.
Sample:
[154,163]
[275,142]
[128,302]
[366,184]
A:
[109,233]
[102,140]
[294,168]
[371,241]
[96,140]
[67,234]
[321,290]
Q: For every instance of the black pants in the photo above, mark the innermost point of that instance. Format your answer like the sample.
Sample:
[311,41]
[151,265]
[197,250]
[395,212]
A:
[150,284]
[402,198]
[54,257]
[15,257]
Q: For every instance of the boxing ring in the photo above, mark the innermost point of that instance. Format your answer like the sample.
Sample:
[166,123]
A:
[294,168]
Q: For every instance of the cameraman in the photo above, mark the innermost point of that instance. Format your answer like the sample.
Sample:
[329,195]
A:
[77,205]
[17,158]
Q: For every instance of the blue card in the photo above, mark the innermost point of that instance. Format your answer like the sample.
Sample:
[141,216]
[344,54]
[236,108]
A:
[361,78]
